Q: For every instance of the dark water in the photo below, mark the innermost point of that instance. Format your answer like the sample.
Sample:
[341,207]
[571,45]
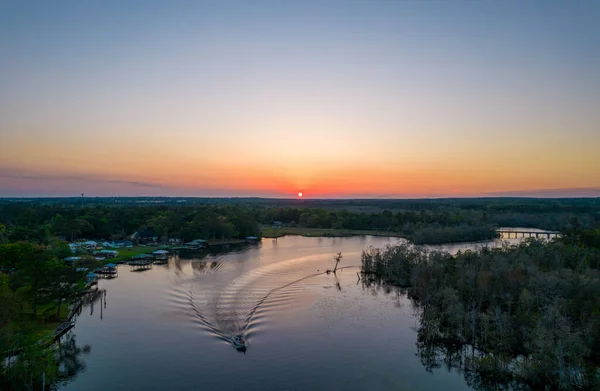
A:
[166,328]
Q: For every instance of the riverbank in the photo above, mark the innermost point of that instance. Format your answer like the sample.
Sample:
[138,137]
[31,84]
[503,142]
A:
[269,232]
[44,323]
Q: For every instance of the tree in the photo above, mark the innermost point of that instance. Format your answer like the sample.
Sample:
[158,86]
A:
[31,271]
[63,283]
[3,233]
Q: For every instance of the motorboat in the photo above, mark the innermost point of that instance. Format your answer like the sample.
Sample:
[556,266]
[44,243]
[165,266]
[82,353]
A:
[239,342]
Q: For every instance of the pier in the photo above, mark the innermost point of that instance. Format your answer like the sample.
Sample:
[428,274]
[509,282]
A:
[528,234]
[140,265]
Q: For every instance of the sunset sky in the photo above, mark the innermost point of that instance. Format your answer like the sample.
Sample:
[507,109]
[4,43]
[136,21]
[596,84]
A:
[268,98]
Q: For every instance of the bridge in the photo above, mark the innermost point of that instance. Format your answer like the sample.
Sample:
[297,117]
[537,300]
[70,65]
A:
[528,234]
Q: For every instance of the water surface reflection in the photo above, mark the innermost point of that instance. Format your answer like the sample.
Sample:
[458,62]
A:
[169,328]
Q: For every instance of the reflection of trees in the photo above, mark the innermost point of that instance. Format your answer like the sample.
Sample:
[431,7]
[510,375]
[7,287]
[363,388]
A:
[437,346]
[523,316]
[89,300]
[482,371]
[375,286]
[39,368]
[69,362]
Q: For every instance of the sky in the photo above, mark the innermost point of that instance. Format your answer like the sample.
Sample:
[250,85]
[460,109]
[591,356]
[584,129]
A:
[335,99]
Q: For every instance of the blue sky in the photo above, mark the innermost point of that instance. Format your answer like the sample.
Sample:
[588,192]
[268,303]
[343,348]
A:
[337,98]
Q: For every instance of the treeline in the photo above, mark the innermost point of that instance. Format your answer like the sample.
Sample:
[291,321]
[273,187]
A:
[36,276]
[40,222]
[523,317]
[36,287]
[493,205]
[434,221]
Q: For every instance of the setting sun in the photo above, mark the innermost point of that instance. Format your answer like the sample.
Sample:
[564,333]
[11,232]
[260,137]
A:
[300,194]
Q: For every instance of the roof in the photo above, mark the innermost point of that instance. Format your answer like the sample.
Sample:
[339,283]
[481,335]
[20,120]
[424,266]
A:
[141,256]
[160,252]
[72,259]
[196,241]
[110,265]
[145,233]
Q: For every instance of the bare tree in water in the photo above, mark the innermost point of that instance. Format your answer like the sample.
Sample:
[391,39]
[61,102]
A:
[337,258]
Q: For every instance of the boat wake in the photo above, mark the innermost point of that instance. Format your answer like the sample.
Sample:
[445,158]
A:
[237,303]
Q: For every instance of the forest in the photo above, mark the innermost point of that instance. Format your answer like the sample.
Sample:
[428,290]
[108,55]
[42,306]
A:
[421,221]
[525,314]
[36,287]
[517,317]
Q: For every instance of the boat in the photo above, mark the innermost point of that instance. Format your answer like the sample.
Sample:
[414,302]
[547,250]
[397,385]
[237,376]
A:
[239,342]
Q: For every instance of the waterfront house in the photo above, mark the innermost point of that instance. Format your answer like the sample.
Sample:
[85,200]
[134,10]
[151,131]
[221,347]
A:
[196,244]
[91,277]
[88,245]
[144,236]
[119,244]
[106,253]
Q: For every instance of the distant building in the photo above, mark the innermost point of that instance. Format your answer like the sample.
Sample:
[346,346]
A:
[118,244]
[88,245]
[106,253]
[196,244]
[277,224]
[175,241]
[144,236]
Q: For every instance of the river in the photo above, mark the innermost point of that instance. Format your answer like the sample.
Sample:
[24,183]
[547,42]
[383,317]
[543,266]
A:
[166,328]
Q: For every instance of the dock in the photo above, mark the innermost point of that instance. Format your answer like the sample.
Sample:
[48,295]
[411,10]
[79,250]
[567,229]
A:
[140,264]
[528,234]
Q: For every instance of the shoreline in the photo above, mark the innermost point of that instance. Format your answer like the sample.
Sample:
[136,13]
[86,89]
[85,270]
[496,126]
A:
[274,233]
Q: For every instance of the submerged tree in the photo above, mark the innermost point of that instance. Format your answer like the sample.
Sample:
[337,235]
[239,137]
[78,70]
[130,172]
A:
[521,317]
[337,258]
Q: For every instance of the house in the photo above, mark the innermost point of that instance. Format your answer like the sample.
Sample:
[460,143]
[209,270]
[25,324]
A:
[106,253]
[118,244]
[252,238]
[88,245]
[196,244]
[91,277]
[144,236]
[175,241]
[277,224]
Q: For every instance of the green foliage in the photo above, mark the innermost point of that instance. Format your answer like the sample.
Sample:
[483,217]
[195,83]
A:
[528,314]
[32,278]
[421,221]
